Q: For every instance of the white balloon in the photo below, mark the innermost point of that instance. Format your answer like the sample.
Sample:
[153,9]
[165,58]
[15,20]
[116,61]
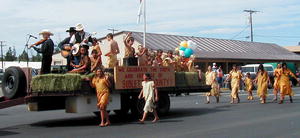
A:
[181,52]
[192,45]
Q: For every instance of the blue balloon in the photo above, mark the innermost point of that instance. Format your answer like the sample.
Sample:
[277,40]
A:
[188,52]
[182,48]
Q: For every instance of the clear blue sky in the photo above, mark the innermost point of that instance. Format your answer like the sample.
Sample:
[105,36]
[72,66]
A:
[278,21]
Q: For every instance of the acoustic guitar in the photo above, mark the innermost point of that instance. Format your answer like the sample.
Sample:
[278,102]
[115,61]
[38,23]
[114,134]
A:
[66,51]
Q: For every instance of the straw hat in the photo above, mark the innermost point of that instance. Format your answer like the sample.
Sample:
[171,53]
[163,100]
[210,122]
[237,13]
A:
[45,31]
[79,27]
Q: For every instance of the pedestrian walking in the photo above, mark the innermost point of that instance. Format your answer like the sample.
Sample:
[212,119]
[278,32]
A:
[284,83]
[210,77]
[220,75]
[249,86]
[262,80]
[150,94]
[235,77]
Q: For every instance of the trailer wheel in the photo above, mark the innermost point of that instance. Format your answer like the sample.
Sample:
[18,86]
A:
[14,83]
[163,105]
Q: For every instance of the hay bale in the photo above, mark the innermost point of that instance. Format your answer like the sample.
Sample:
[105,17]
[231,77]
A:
[56,83]
[188,79]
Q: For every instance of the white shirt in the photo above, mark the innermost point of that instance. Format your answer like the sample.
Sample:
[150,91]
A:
[83,35]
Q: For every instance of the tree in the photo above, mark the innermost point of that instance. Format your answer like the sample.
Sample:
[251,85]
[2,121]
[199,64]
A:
[36,58]
[10,55]
[23,56]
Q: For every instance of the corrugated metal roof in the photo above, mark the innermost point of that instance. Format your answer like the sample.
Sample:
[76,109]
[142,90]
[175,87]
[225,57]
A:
[211,48]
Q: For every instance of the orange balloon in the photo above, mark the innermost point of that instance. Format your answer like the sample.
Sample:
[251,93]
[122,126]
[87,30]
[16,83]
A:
[184,44]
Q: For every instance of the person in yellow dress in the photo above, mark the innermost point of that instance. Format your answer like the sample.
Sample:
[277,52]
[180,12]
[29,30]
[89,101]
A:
[249,86]
[235,77]
[211,79]
[284,83]
[102,85]
[262,80]
[276,75]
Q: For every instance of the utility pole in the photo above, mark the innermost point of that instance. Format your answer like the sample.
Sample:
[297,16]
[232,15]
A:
[1,45]
[251,26]
[113,30]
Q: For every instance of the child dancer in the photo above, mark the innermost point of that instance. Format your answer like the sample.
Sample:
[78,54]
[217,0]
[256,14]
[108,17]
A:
[150,95]
[249,86]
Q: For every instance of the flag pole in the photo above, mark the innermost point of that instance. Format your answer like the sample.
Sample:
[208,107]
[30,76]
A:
[144,37]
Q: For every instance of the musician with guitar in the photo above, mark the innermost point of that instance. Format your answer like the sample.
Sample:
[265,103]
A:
[80,38]
[66,47]
[46,49]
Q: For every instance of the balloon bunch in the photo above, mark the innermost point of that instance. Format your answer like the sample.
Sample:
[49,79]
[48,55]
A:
[186,48]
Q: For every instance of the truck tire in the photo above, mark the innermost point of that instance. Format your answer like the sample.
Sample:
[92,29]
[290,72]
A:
[163,105]
[14,83]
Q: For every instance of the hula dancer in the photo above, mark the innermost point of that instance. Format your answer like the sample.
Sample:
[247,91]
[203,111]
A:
[114,51]
[284,83]
[211,80]
[235,77]
[262,80]
[102,85]
[277,73]
[249,86]
[150,95]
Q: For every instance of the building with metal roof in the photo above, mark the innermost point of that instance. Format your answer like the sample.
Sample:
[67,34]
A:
[223,52]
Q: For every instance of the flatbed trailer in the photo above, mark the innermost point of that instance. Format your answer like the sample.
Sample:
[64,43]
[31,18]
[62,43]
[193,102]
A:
[122,100]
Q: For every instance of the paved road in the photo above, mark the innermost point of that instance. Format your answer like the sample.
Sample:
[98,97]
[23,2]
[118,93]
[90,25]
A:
[189,117]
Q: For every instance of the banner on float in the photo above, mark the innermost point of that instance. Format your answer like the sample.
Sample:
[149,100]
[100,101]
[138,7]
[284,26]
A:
[131,77]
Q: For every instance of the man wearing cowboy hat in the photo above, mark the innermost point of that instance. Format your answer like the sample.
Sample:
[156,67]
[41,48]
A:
[46,49]
[66,42]
[81,37]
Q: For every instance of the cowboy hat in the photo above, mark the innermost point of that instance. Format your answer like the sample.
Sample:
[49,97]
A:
[45,31]
[71,29]
[79,27]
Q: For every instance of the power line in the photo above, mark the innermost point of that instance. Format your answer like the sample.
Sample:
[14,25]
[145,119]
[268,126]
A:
[251,25]
[240,32]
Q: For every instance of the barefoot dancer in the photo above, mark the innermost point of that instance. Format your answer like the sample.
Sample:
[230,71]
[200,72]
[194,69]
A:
[284,83]
[102,84]
[150,95]
[262,80]
[249,86]
[276,74]
[235,77]
[211,80]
